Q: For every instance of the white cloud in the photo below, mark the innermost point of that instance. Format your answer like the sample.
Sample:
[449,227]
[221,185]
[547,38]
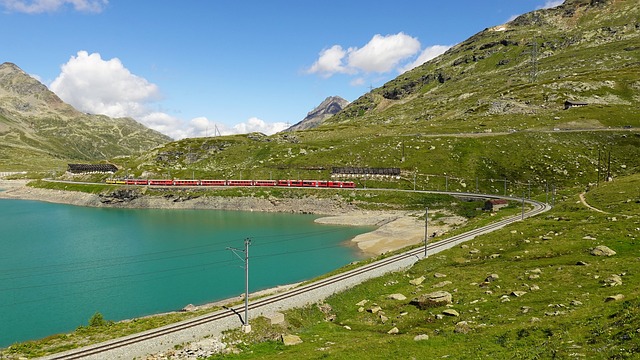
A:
[329,62]
[201,127]
[380,55]
[44,6]
[427,54]
[257,125]
[98,86]
[551,4]
[547,5]
[383,53]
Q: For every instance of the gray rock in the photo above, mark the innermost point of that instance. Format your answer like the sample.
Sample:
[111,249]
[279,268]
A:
[616,297]
[289,340]
[613,280]
[462,328]
[602,250]
[434,299]
[451,312]
[399,297]
[417,281]
[421,337]
[189,308]
[393,331]
[442,284]
[276,318]
[492,277]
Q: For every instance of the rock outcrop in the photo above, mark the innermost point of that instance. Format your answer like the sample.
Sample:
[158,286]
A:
[329,107]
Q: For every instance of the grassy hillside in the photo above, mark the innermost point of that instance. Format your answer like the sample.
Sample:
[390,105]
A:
[38,131]
[489,109]
[562,312]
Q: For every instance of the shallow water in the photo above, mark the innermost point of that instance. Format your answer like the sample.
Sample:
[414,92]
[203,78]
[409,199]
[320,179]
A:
[59,264]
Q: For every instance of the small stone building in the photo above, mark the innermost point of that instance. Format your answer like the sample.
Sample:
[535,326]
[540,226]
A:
[571,104]
[495,204]
[91,168]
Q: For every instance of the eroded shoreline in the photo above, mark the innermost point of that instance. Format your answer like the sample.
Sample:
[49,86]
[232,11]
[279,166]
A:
[394,229]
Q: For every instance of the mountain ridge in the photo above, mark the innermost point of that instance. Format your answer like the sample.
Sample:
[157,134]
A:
[521,67]
[36,126]
[327,108]
[465,111]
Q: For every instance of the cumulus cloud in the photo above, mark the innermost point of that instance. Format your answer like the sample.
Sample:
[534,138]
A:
[330,62]
[257,125]
[98,86]
[44,6]
[547,5]
[382,54]
[427,54]
[551,4]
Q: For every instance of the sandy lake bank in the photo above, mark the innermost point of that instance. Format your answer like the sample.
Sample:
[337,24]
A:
[394,229]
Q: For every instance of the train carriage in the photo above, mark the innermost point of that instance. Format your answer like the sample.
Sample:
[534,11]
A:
[164,182]
[186,182]
[213,182]
[265,183]
[136,181]
[240,182]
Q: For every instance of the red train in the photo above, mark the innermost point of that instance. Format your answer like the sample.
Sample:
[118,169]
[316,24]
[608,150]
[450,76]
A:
[282,183]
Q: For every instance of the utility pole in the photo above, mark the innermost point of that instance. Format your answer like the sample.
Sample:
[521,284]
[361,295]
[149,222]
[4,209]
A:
[402,151]
[546,185]
[246,328]
[523,205]
[534,60]
[426,231]
[609,167]
[598,169]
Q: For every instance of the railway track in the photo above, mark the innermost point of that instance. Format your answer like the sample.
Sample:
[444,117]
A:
[119,348]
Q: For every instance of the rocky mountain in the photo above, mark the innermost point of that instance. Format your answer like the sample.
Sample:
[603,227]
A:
[36,127]
[491,107]
[520,74]
[329,107]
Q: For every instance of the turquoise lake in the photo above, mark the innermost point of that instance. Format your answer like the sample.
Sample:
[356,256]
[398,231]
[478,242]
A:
[59,264]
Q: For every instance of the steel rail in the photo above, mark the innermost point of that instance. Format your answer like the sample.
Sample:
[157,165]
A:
[538,208]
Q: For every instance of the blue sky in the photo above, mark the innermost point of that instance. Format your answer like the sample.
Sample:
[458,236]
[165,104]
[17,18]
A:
[187,67]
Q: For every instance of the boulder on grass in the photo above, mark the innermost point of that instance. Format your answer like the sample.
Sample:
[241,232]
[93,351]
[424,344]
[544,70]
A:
[434,299]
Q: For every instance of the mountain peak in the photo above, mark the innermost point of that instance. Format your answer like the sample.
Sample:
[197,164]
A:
[329,107]
[34,120]
[21,93]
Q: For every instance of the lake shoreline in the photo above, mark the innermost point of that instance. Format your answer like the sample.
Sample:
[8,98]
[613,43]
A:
[395,229]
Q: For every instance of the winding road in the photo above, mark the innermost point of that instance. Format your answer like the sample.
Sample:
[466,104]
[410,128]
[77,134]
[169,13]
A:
[161,339]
